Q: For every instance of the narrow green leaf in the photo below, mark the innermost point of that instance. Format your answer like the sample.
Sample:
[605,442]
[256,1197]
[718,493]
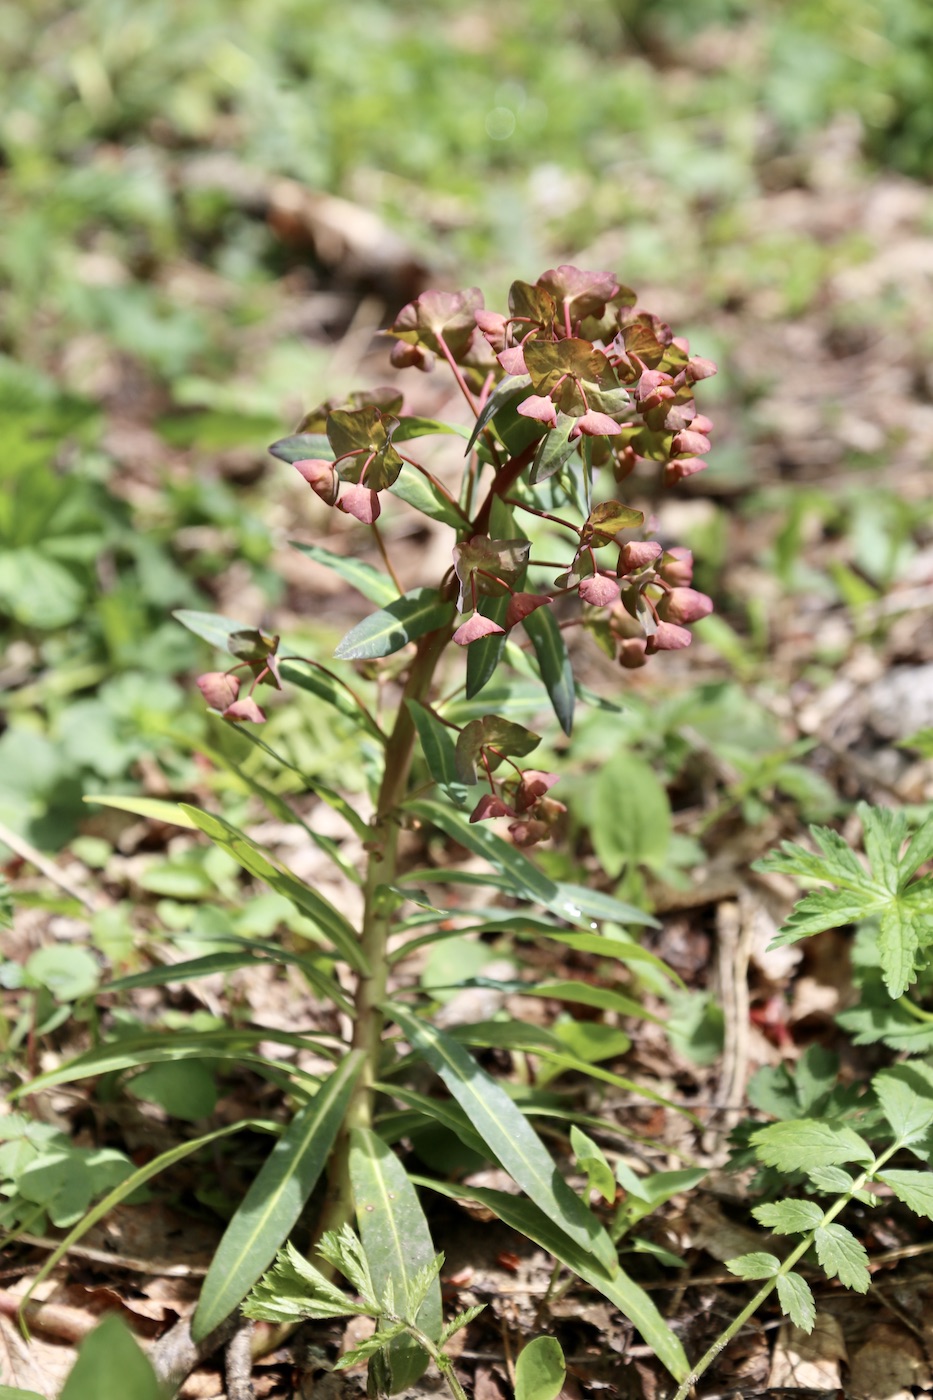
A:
[111,1363]
[314,906]
[540,1370]
[167,974]
[426,497]
[275,1199]
[152,808]
[417,612]
[509,391]
[588,994]
[797,1301]
[527,879]
[510,1138]
[554,662]
[915,1189]
[592,1160]
[631,1300]
[13,1392]
[397,1242]
[483,657]
[578,905]
[159,1047]
[439,751]
[133,1183]
[210,627]
[300,446]
[371,582]
[412,426]
[622,950]
[319,682]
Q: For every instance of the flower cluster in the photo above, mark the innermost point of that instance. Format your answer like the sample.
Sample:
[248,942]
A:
[573,386]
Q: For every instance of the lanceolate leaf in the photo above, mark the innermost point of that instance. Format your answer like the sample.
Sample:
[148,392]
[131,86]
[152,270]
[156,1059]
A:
[110,1362]
[554,662]
[510,1138]
[276,1198]
[438,749]
[527,879]
[413,427]
[397,1242]
[133,1183]
[419,611]
[510,391]
[631,1300]
[484,656]
[426,497]
[301,446]
[318,681]
[371,582]
[314,906]
[152,808]
[217,630]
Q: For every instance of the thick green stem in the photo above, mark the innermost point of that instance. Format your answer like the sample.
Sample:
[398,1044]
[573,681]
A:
[376,928]
[737,1323]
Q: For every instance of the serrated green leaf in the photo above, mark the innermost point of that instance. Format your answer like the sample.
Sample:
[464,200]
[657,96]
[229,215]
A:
[275,1199]
[332,924]
[797,1301]
[834,1180]
[554,663]
[540,1370]
[416,613]
[807,1142]
[371,582]
[510,1138]
[398,1245]
[789,1217]
[751,1266]
[918,852]
[905,1093]
[842,1256]
[631,1300]
[915,1189]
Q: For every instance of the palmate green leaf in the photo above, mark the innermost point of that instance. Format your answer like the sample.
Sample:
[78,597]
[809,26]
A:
[789,1217]
[275,1199]
[132,1184]
[903,909]
[416,613]
[332,924]
[807,1142]
[842,1256]
[915,1189]
[540,1370]
[371,582]
[631,1300]
[512,1141]
[554,664]
[398,1246]
[439,752]
[797,1301]
[905,1093]
[110,1362]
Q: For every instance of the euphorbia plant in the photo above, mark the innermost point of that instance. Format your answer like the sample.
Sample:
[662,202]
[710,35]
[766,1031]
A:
[575,396]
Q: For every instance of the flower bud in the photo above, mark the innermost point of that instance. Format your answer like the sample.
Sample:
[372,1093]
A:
[638,554]
[474,628]
[320,476]
[677,567]
[360,502]
[599,591]
[632,653]
[219,689]
[684,605]
[669,637]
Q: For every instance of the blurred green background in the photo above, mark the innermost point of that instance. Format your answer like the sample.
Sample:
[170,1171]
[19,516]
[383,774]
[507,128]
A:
[175,285]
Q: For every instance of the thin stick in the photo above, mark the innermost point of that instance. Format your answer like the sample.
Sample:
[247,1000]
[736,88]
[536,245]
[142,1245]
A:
[27,851]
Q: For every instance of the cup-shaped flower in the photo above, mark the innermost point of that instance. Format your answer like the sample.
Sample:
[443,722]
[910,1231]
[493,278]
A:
[320,476]
[245,709]
[219,689]
[676,568]
[599,591]
[541,408]
[669,637]
[360,502]
[474,628]
[521,604]
[637,555]
[684,605]
[594,425]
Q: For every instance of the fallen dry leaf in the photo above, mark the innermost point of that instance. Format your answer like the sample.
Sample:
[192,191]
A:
[809,1361]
